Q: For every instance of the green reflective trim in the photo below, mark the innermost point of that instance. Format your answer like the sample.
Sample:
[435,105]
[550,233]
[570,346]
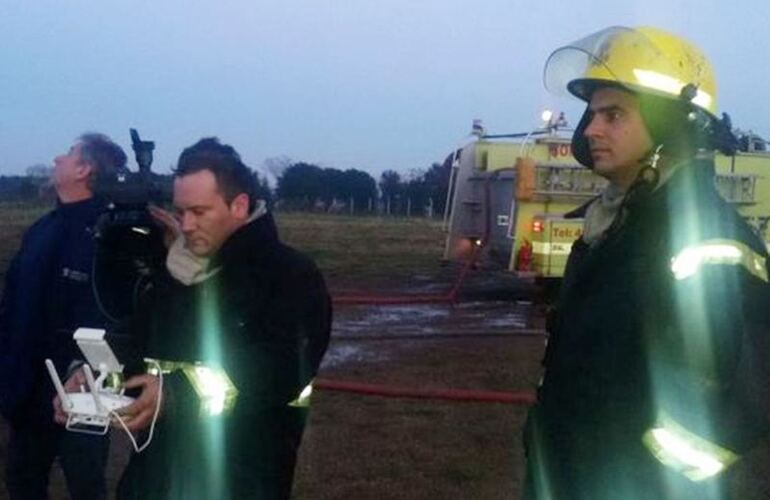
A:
[718,252]
[303,400]
[216,391]
[166,366]
[693,456]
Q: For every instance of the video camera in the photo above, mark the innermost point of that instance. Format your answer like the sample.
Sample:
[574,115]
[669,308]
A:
[129,243]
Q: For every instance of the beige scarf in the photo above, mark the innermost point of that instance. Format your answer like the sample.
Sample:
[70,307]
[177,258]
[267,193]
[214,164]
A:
[601,213]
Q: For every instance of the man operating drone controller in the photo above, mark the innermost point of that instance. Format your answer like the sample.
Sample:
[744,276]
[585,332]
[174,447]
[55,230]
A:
[48,292]
[235,329]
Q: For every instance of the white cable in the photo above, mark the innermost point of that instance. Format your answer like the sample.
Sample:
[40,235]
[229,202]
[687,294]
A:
[137,448]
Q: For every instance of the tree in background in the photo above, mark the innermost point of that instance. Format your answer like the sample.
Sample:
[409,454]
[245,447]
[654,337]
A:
[423,192]
[262,189]
[276,165]
[20,188]
[331,185]
[390,188]
[300,186]
[437,182]
[416,193]
[304,186]
[39,170]
[357,187]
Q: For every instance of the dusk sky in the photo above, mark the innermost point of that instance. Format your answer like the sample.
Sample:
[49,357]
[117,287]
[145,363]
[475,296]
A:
[349,84]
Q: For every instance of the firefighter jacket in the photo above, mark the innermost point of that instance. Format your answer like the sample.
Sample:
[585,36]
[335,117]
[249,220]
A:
[656,368]
[238,349]
[48,294]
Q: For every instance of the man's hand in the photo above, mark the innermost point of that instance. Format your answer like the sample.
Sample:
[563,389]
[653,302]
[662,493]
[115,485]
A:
[75,383]
[138,415]
[167,221]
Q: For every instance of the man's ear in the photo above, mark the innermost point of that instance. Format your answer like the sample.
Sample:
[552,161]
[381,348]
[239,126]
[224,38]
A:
[83,170]
[240,206]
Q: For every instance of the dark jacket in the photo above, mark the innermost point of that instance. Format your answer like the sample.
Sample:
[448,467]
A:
[47,295]
[631,342]
[265,318]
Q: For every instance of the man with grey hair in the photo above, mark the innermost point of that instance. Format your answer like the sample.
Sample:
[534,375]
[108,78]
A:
[47,295]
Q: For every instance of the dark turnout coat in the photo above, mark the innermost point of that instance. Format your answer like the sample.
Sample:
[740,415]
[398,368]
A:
[265,319]
[653,324]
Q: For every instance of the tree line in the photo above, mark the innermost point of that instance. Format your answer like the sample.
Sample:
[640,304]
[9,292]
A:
[304,186]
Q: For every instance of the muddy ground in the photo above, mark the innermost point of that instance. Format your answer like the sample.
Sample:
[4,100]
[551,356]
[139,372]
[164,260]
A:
[372,447]
[368,447]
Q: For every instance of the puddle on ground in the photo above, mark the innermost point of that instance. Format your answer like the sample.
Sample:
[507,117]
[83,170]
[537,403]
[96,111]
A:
[497,316]
[340,353]
[354,324]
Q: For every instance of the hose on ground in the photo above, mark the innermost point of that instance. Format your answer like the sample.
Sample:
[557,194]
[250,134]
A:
[388,391]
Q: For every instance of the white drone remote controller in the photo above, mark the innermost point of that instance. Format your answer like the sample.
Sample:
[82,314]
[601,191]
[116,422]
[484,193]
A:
[90,412]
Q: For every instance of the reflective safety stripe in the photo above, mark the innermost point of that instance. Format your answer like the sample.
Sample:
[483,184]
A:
[539,247]
[166,366]
[671,85]
[303,400]
[689,261]
[216,391]
[696,458]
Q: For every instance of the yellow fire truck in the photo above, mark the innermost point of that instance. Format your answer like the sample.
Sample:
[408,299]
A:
[513,195]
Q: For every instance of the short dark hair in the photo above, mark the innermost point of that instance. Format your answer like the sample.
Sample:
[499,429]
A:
[232,175]
[105,157]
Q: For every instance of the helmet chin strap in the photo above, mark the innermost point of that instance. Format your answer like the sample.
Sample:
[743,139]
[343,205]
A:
[645,183]
[649,175]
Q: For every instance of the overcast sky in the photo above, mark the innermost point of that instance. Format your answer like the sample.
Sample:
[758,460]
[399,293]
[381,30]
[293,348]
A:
[369,84]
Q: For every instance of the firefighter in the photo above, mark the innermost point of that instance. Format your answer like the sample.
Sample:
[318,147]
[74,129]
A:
[658,350]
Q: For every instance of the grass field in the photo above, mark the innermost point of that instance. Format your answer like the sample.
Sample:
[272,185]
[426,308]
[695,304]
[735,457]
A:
[354,251]
[14,220]
[351,251]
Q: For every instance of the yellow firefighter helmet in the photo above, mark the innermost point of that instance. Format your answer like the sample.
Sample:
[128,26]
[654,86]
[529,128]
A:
[640,59]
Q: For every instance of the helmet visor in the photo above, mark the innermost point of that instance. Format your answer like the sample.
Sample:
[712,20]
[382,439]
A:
[641,60]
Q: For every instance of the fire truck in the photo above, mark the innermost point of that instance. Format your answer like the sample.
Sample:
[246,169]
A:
[511,196]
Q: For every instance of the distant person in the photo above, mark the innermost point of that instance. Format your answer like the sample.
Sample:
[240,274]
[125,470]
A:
[239,325]
[47,296]
[658,361]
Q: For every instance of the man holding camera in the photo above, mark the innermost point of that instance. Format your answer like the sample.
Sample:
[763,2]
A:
[238,327]
[47,295]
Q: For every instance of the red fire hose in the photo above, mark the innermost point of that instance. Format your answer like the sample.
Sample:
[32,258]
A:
[467,395]
[446,298]
[517,398]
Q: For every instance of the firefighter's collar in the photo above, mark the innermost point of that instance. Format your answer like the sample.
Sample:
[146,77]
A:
[602,212]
